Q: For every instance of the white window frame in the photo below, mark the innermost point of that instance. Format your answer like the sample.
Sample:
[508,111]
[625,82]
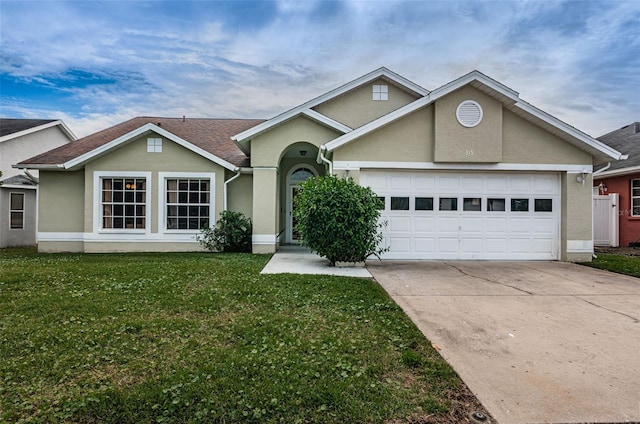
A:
[637,181]
[380,92]
[162,198]
[154,145]
[97,202]
[12,211]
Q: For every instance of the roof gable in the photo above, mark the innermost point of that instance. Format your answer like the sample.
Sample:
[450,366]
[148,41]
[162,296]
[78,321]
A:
[14,128]
[510,99]
[209,138]
[383,73]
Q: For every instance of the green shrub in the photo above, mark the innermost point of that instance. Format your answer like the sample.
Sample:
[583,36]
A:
[232,233]
[338,219]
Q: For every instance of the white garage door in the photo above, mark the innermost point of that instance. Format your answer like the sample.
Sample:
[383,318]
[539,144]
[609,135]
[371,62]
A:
[438,215]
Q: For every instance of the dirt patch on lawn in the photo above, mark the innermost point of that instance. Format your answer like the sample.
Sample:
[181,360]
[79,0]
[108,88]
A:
[622,250]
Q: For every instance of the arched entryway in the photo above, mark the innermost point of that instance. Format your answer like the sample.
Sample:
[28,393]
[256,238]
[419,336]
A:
[297,175]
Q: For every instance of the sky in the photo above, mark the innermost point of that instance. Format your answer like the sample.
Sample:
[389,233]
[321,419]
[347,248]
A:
[94,64]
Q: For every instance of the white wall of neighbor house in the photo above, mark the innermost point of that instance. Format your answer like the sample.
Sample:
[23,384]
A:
[27,146]
[25,236]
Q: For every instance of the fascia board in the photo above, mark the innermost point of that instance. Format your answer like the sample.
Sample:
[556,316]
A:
[378,123]
[571,131]
[137,132]
[617,172]
[18,187]
[378,73]
[48,167]
[32,130]
[323,119]
[469,78]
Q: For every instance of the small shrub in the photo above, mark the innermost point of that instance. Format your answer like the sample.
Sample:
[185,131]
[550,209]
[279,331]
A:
[232,233]
[338,219]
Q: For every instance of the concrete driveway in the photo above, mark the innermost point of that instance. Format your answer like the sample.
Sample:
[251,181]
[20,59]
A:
[537,342]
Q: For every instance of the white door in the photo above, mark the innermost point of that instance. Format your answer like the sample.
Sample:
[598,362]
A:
[447,215]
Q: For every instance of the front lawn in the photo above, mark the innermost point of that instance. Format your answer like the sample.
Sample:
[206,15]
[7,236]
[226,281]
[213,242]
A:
[200,337]
[623,264]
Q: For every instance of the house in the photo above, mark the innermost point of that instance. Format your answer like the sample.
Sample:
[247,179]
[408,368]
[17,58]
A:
[466,171]
[19,140]
[622,179]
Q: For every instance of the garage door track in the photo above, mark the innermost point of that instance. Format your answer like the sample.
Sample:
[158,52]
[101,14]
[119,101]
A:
[537,342]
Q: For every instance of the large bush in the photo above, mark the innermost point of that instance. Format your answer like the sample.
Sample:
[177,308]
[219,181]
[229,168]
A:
[338,219]
[232,233]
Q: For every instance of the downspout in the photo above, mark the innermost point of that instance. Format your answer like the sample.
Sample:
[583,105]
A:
[225,188]
[31,177]
[602,170]
[324,159]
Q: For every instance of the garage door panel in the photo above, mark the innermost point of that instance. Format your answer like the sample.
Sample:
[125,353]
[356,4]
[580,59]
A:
[490,233]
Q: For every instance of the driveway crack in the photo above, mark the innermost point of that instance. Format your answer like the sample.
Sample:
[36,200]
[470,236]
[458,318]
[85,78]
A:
[634,319]
[488,280]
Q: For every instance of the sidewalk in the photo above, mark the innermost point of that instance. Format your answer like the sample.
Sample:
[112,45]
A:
[299,260]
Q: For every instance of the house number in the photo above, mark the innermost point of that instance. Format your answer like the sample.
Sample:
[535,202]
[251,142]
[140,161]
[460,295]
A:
[468,152]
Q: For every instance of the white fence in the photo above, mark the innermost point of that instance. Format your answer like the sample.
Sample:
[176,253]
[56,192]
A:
[605,220]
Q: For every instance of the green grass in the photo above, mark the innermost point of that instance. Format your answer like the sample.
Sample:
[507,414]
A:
[623,264]
[140,338]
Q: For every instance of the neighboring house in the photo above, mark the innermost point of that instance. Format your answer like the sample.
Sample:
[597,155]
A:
[19,140]
[623,178]
[466,171]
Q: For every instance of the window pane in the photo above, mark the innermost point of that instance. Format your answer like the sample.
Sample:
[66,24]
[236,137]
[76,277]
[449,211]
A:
[635,210]
[424,203]
[399,203]
[123,203]
[17,220]
[635,183]
[172,184]
[472,204]
[188,204]
[448,204]
[17,201]
[519,205]
[496,205]
[543,205]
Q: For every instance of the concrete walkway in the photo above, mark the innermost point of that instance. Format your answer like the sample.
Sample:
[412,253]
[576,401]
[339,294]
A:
[536,342]
[298,260]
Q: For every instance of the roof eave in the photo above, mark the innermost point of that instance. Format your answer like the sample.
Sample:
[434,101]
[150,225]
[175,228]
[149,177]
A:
[63,127]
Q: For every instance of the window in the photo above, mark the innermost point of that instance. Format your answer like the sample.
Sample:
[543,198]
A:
[635,197]
[424,203]
[399,203]
[17,211]
[472,204]
[543,205]
[496,205]
[154,145]
[519,205]
[380,92]
[188,203]
[448,204]
[124,203]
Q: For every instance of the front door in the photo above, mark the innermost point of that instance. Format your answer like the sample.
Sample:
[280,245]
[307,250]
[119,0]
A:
[298,175]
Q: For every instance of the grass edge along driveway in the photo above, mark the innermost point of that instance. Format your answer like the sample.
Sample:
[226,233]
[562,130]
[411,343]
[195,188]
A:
[200,337]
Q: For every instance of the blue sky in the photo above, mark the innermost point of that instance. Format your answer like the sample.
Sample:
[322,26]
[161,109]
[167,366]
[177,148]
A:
[96,63]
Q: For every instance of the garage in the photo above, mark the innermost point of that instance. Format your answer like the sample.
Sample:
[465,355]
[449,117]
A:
[468,215]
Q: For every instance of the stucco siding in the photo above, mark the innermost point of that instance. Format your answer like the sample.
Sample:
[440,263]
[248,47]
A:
[113,247]
[61,206]
[357,107]
[576,221]
[457,143]
[25,236]
[240,195]
[525,142]
[268,148]
[409,139]
[24,147]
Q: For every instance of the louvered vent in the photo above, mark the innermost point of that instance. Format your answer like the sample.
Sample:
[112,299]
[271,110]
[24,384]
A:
[469,113]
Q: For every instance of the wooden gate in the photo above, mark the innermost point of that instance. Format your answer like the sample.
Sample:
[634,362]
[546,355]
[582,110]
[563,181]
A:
[605,220]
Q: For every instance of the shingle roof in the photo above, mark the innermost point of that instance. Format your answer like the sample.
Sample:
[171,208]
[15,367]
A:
[625,140]
[18,180]
[11,126]
[211,135]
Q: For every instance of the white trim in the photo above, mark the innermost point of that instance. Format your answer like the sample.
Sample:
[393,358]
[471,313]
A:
[115,237]
[372,76]
[264,239]
[63,127]
[97,203]
[162,199]
[579,246]
[55,236]
[618,172]
[316,116]
[356,165]
[19,187]
[142,130]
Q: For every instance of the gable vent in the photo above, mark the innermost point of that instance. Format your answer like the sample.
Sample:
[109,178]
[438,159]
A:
[469,113]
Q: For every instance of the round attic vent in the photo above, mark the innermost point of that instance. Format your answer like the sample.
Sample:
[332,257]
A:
[469,113]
